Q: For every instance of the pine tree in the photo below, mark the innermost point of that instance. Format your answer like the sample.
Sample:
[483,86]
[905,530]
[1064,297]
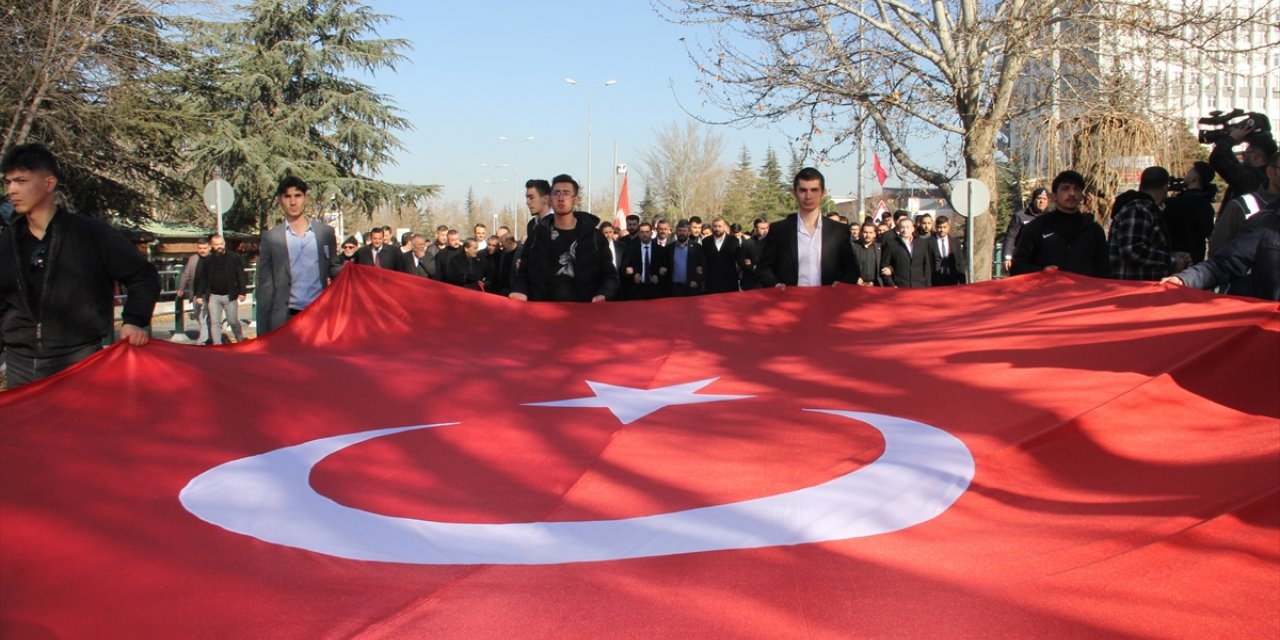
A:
[279,101]
[772,196]
[738,199]
[90,81]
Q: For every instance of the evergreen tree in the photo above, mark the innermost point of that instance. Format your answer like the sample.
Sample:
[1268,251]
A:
[91,81]
[648,209]
[279,103]
[738,198]
[772,195]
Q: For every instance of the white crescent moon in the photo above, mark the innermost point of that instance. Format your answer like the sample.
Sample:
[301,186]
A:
[922,471]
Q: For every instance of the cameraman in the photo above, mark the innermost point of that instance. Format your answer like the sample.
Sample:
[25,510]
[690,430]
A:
[1249,176]
[1189,215]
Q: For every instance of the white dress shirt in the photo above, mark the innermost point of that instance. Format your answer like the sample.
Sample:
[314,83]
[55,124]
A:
[809,254]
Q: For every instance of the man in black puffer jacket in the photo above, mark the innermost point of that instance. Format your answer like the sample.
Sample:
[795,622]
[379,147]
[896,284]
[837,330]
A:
[57,271]
[566,258]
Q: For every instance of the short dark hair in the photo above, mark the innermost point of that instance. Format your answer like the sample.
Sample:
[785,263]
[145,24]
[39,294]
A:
[646,224]
[682,223]
[1262,142]
[606,225]
[443,227]
[32,157]
[565,178]
[808,174]
[942,219]
[203,240]
[1068,177]
[541,186]
[375,230]
[291,181]
[406,237]
[1153,178]
[1204,171]
[631,217]
[693,219]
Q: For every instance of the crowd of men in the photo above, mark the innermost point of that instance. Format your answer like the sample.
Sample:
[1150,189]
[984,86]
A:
[572,255]
[59,269]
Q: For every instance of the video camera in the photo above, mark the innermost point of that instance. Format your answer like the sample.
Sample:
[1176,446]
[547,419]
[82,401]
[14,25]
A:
[1220,121]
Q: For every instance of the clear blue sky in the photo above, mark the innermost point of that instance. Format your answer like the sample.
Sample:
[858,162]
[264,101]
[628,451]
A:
[487,68]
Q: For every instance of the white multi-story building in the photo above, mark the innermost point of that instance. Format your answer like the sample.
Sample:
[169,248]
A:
[1166,79]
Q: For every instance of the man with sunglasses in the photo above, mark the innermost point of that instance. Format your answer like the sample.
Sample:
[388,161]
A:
[58,271]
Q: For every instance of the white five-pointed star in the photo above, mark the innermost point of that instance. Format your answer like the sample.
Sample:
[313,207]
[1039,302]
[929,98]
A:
[630,404]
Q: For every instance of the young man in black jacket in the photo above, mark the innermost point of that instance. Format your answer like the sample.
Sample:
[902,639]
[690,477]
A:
[1064,238]
[57,275]
[566,258]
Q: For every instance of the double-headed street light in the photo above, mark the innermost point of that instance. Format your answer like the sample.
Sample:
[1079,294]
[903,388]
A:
[515,175]
[589,89]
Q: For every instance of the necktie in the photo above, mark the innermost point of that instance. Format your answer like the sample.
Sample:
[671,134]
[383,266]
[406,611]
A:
[644,265]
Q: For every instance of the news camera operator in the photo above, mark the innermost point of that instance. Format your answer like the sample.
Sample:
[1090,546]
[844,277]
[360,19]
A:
[1254,130]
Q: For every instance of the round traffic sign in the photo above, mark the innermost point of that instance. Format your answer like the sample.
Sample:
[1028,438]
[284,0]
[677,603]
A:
[219,196]
[970,197]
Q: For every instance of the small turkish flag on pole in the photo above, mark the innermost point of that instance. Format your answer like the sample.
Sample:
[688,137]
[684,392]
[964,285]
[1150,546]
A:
[624,207]
[881,174]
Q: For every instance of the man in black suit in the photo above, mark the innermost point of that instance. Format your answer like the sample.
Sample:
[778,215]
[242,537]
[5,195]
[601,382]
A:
[949,259]
[645,267]
[749,254]
[721,252]
[616,247]
[804,249]
[444,257]
[507,263]
[417,262]
[907,261]
[377,253]
[867,251]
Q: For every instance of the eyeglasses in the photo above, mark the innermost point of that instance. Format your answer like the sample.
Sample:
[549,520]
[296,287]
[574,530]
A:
[38,256]
[563,194]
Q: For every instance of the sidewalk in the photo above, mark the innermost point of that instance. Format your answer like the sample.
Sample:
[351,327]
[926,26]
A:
[162,324]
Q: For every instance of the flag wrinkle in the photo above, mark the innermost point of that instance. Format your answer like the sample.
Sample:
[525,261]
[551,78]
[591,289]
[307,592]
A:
[389,622]
[1269,496]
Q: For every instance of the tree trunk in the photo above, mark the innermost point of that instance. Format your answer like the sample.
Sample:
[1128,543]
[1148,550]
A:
[979,160]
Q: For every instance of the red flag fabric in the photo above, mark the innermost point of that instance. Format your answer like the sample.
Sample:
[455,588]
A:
[624,207]
[881,174]
[1045,456]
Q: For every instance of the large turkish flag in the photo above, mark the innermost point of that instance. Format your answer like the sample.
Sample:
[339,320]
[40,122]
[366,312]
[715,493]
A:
[1043,456]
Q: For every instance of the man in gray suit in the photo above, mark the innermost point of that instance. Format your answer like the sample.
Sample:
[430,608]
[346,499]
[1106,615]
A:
[297,259]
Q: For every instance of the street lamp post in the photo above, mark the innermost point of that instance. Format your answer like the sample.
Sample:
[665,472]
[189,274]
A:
[589,88]
[515,175]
